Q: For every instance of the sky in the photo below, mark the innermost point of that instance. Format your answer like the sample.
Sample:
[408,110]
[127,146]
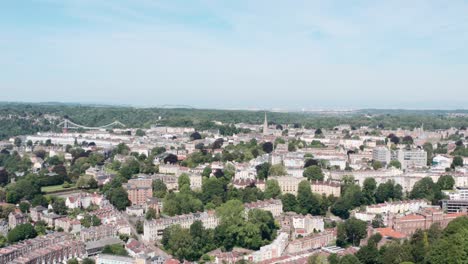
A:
[249,54]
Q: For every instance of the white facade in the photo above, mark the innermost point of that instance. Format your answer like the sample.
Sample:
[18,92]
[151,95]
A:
[274,250]
[381,154]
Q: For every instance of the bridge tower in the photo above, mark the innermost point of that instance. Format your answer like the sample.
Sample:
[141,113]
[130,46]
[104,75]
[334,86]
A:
[65,126]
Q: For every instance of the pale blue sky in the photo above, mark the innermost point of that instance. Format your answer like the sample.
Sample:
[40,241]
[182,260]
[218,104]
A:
[236,54]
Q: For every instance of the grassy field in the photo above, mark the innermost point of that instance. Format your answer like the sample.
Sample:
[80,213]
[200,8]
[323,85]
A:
[56,188]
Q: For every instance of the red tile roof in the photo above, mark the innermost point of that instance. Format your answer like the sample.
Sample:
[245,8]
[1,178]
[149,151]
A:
[389,232]
[411,217]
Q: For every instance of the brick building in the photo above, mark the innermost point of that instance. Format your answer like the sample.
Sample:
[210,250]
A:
[408,224]
[139,190]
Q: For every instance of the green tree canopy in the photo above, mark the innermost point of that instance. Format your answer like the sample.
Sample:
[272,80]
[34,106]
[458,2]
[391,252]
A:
[272,189]
[313,173]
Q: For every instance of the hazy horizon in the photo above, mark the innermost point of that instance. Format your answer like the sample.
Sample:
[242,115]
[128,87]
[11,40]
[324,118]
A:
[236,55]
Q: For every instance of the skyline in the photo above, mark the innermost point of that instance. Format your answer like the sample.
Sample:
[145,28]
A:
[240,55]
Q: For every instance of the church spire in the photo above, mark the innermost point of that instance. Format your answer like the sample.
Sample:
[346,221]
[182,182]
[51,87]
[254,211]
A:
[265,125]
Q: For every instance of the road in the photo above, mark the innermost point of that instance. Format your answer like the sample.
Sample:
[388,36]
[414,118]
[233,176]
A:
[150,245]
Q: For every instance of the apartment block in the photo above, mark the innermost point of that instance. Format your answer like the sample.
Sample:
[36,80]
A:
[381,154]
[154,229]
[275,206]
[314,241]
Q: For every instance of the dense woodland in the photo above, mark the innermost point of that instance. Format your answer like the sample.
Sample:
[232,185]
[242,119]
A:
[19,119]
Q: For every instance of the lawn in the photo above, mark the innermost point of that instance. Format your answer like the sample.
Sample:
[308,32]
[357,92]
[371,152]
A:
[56,188]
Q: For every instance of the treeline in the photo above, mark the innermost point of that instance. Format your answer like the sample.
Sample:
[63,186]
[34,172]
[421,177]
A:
[19,119]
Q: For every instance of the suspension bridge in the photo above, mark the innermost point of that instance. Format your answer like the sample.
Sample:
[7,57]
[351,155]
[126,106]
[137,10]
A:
[67,124]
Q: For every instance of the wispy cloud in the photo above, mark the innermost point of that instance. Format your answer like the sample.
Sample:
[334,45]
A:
[235,53]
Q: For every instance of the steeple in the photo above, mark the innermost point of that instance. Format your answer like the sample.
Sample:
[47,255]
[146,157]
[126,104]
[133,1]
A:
[265,125]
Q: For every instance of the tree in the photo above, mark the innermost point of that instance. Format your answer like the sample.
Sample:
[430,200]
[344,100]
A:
[341,237]
[387,191]
[213,189]
[3,241]
[395,252]
[376,165]
[139,226]
[289,202]
[277,170]
[151,214]
[88,261]
[170,158]
[195,136]
[231,212]
[159,188]
[140,133]
[368,254]
[341,208]
[313,173]
[457,162]
[267,147]
[59,207]
[184,179]
[408,140]
[426,189]
[355,230]
[452,250]
[122,149]
[307,202]
[377,221]
[24,207]
[310,162]
[90,220]
[446,182]
[317,259]
[368,190]
[119,198]
[349,259]
[3,176]
[419,245]
[18,141]
[207,171]
[115,249]
[333,259]
[263,170]
[218,143]
[395,164]
[178,242]
[429,150]
[374,239]
[272,189]
[394,139]
[21,232]
[73,261]
[181,203]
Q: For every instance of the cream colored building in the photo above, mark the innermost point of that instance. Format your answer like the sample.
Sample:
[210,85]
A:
[153,229]
[289,184]
[275,206]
